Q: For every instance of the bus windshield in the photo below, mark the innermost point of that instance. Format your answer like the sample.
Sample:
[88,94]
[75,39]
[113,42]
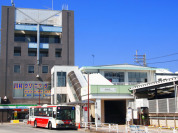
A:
[65,114]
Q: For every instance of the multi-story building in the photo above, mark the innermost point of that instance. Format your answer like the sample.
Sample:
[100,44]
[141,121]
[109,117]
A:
[108,89]
[32,42]
[111,99]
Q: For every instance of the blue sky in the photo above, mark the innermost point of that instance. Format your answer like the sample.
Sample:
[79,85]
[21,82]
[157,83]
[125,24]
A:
[112,30]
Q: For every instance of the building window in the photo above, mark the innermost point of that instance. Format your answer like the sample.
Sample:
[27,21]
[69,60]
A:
[57,39]
[44,69]
[49,39]
[19,37]
[32,52]
[58,52]
[43,52]
[114,77]
[30,69]
[61,98]
[16,68]
[17,51]
[61,79]
[31,38]
[44,39]
[137,77]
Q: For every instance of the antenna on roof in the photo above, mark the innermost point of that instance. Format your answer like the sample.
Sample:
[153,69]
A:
[52,4]
[12,2]
[65,7]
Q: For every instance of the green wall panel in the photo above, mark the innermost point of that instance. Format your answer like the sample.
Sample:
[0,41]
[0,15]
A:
[110,89]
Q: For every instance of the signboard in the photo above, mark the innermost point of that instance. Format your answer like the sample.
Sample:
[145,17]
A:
[135,114]
[10,106]
[38,87]
[141,102]
[18,89]
[129,114]
[45,17]
[107,89]
[30,89]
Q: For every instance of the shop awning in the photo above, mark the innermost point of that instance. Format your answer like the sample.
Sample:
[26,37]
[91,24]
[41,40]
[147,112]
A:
[80,102]
[16,106]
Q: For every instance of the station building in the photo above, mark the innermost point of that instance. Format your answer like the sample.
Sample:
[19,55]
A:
[109,86]
[32,42]
[156,101]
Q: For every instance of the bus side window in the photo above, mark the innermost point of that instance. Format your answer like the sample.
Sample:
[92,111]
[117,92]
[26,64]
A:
[32,112]
[54,114]
[49,113]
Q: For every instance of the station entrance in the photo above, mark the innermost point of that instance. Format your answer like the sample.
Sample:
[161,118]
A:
[115,111]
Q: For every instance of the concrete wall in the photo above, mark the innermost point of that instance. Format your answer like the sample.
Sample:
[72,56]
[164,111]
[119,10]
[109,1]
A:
[163,123]
[8,60]
[63,90]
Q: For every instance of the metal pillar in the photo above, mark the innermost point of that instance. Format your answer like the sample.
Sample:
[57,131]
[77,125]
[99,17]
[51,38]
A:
[175,91]
[156,94]
[38,43]
[88,102]
[39,96]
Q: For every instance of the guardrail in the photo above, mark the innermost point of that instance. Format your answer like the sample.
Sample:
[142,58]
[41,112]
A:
[101,126]
[161,130]
[115,128]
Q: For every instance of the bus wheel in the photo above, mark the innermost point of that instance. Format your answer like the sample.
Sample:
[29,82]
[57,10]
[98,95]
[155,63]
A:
[50,126]
[35,124]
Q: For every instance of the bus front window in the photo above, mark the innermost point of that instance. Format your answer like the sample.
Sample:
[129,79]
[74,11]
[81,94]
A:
[65,114]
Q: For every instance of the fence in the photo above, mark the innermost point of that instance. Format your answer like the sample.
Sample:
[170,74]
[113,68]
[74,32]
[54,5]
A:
[162,105]
[115,128]
[107,127]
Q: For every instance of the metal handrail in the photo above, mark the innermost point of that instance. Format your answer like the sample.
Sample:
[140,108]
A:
[110,127]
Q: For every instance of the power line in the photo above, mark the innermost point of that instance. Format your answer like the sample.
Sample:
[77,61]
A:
[162,56]
[163,61]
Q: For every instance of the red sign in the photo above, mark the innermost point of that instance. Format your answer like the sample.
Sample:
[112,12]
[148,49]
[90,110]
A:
[85,108]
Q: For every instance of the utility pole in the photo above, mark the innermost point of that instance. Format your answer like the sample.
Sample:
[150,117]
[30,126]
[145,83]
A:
[88,101]
[140,59]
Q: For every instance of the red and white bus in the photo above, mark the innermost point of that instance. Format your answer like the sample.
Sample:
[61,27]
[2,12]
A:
[52,116]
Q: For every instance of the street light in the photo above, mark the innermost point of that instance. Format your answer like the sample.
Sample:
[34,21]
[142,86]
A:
[88,102]
[88,99]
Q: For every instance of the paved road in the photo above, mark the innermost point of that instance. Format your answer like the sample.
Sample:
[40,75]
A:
[24,128]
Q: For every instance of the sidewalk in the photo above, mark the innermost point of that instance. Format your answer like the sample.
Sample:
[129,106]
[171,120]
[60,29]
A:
[122,129]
